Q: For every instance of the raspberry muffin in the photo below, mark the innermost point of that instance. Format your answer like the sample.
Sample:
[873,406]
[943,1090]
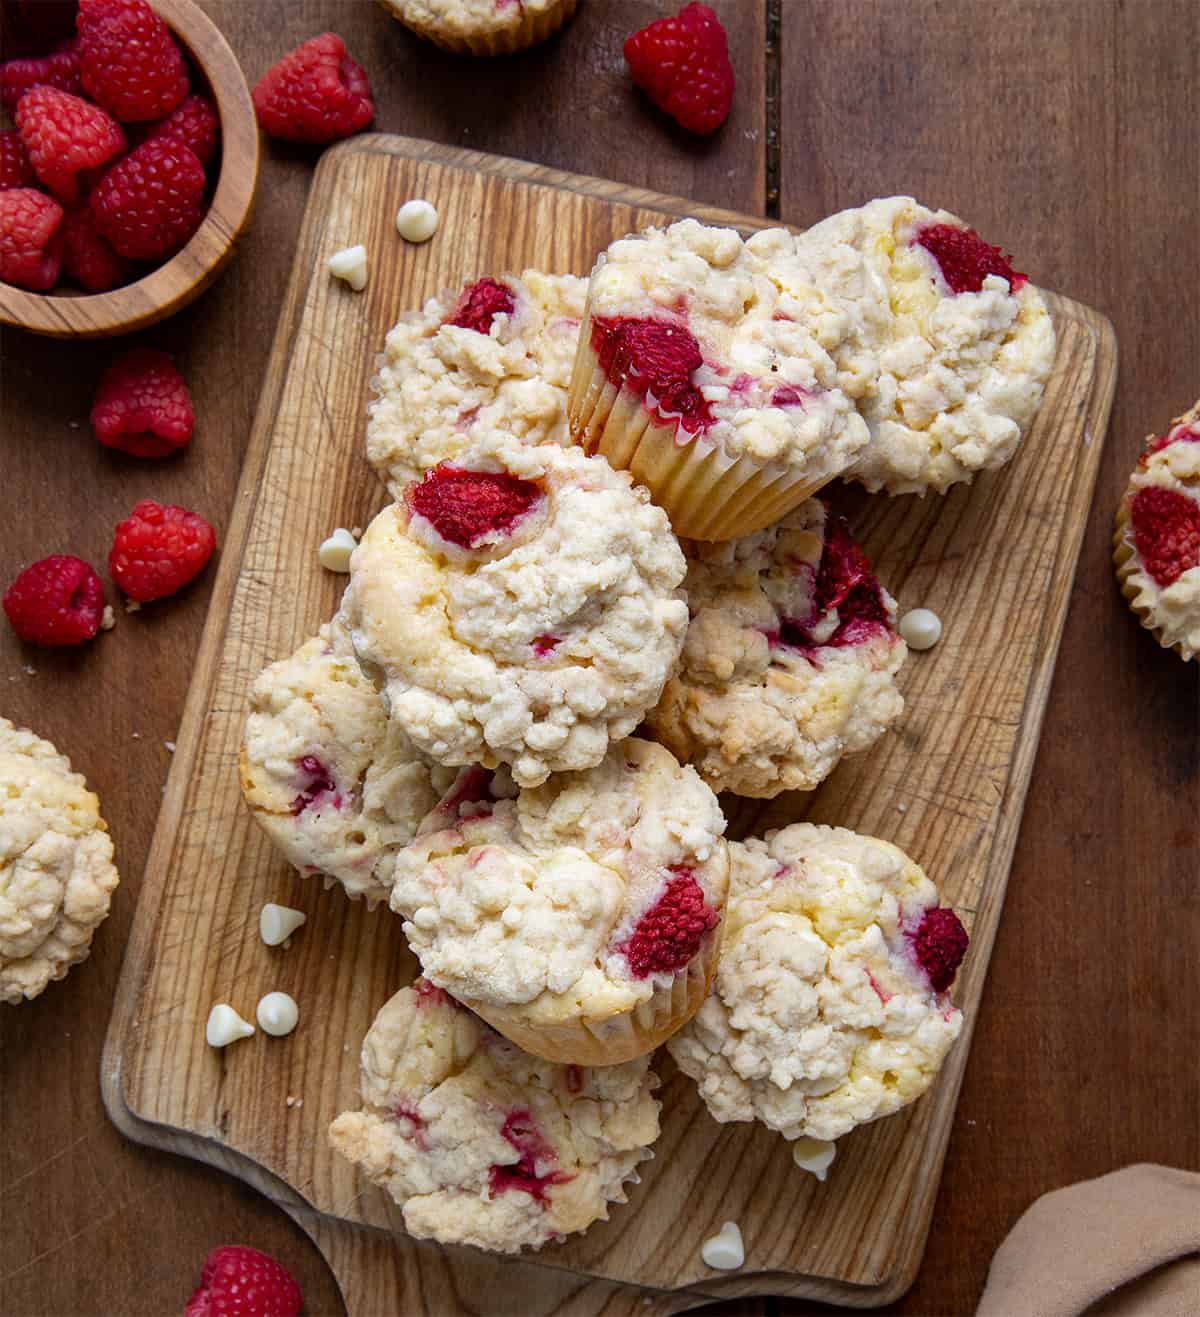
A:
[580,918]
[481,1143]
[1157,543]
[522,607]
[497,356]
[334,784]
[56,865]
[704,368]
[482,27]
[950,348]
[790,659]
[830,1007]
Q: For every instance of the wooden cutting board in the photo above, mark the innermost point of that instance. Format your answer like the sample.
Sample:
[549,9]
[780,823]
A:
[995,560]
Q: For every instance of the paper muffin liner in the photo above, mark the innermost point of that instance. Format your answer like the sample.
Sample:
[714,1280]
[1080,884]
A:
[1125,559]
[707,494]
[617,1038]
[532,29]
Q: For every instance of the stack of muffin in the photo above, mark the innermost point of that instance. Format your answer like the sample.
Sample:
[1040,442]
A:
[604,520]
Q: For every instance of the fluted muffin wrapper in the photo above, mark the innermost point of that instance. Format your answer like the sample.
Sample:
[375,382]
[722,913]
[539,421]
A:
[1126,560]
[617,1038]
[532,29]
[707,493]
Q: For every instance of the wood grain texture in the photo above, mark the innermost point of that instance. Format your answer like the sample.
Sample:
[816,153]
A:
[180,280]
[948,784]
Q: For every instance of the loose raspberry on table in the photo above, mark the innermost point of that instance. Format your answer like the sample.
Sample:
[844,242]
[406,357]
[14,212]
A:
[964,259]
[59,70]
[128,59]
[158,549]
[67,139]
[242,1282]
[465,507]
[669,934]
[317,93]
[149,204]
[683,65]
[195,124]
[480,303]
[532,1173]
[15,169]
[143,406]
[58,601]
[655,357]
[87,257]
[939,944]
[30,239]
[1166,532]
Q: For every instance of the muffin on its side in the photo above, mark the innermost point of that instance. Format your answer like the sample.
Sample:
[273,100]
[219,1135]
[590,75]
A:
[831,1004]
[56,871]
[790,659]
[482,27]
[580,918]
[481,1143]
[1156,546]
[497,356]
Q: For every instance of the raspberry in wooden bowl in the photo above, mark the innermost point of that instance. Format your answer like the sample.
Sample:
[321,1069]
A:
[174,131]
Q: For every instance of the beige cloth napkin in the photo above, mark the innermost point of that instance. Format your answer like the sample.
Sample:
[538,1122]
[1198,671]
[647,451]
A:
[1125,1245]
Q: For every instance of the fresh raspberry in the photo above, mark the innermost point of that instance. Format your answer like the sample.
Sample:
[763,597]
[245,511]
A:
[656,357]
[158,549]
[88,258]
[58,601]
[480,303]
[42,23]
[669,934]
[195,124]
[529,1175]
[939,944]
[964,259]
[149,204]
[468,507]
[66,137]
[683,65]
[128,60]
[30,239]
[1166,530]
[15,169]
[142,405]
[317,93]
[60,70]
[242,1282]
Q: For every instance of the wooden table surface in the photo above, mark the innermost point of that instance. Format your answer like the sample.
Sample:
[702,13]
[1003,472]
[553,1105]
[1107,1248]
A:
[1064,129]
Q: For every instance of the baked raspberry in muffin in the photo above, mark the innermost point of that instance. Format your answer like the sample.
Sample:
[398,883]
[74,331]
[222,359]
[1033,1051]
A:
[950,348]
[580,918]
[482,27]
[1156,547]
[56,865]
[522,607]
[481,1143]
[704,368]
[496,356]
[790,658]
[831,1004]
[334,784]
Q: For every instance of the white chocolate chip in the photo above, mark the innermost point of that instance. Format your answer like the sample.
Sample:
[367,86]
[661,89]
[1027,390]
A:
[724,1252]
[334,553]
[108,618]
[814,1155]
[277,923]
[277,1014]
[350,264]
[920,628]
[417,221]
[225,1026]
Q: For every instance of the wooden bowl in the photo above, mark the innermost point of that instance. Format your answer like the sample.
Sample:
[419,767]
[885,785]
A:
[185,275]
